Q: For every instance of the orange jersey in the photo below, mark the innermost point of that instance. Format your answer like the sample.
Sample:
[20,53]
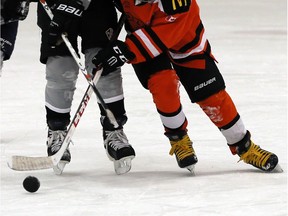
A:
[155,32]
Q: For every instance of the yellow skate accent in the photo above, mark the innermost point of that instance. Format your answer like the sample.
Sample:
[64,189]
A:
[256,156]
[182,148]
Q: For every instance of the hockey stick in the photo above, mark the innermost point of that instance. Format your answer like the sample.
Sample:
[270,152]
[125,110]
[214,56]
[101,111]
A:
[109,114]
[24,163]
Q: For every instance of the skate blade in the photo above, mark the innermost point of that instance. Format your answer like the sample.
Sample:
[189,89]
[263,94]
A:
[123,165]
[59,168]
[277,169]
[191,169]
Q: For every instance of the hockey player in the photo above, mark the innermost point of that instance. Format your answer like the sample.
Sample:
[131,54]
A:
[166,41]
[8,38]
[95,21]
[11,13]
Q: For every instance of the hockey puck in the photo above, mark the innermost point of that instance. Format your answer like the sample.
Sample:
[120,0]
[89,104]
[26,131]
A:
[31,184]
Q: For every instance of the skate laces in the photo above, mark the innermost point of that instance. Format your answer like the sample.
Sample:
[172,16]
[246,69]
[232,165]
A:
[182,148]
[256,156]
[55,139]
[116,139]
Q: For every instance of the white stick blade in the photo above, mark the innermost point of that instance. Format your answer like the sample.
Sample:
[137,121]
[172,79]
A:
[23,163]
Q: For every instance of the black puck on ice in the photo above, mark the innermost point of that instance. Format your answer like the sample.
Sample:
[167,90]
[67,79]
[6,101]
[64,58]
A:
[31,184]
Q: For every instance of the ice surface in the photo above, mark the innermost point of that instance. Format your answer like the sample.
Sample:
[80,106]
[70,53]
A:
[248,39]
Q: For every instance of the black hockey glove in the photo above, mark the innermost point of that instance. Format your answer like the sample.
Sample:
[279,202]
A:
[15,10]
[67,14]
[112,57]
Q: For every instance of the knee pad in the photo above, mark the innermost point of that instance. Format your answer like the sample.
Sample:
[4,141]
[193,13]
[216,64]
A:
[61,76]
[201,83]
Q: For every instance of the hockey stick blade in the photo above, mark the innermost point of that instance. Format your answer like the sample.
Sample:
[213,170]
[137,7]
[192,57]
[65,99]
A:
[26,163]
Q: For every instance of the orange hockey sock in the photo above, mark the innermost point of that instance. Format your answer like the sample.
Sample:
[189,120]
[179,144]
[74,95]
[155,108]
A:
[219,108]
[164,87]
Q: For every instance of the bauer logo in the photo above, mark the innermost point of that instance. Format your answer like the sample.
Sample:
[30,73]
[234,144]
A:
[208,82]
[69,9]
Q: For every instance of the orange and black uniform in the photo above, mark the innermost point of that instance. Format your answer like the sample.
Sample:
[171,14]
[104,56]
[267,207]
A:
[172,47]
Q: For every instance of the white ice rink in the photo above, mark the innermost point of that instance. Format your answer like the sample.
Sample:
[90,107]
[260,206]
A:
[248,38]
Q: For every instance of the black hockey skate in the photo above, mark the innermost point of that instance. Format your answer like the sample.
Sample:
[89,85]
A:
[181,146]
[260,158]
[119,150]
[54,142]
[252,154]
[117,146]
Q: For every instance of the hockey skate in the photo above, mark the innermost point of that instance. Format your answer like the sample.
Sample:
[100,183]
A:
[118,150]
[54,142]
[181,146]
[260,158]
[252,154]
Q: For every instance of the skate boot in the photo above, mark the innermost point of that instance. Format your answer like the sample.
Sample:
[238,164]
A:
[181,146]
[252,154]
[54,142]
[117,146]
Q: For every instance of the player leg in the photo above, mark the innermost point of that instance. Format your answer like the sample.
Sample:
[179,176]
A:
[161,80]
[98,23]
[116,143]
[8,37]
[11,13]
[61,76]
[206,87]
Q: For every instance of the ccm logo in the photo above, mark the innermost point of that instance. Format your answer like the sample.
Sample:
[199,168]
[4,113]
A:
[81,110]
[113,60]
[69,9]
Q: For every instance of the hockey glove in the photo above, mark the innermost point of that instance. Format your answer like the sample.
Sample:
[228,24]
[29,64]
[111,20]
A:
[67,14]
[15,10]
[112,57]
